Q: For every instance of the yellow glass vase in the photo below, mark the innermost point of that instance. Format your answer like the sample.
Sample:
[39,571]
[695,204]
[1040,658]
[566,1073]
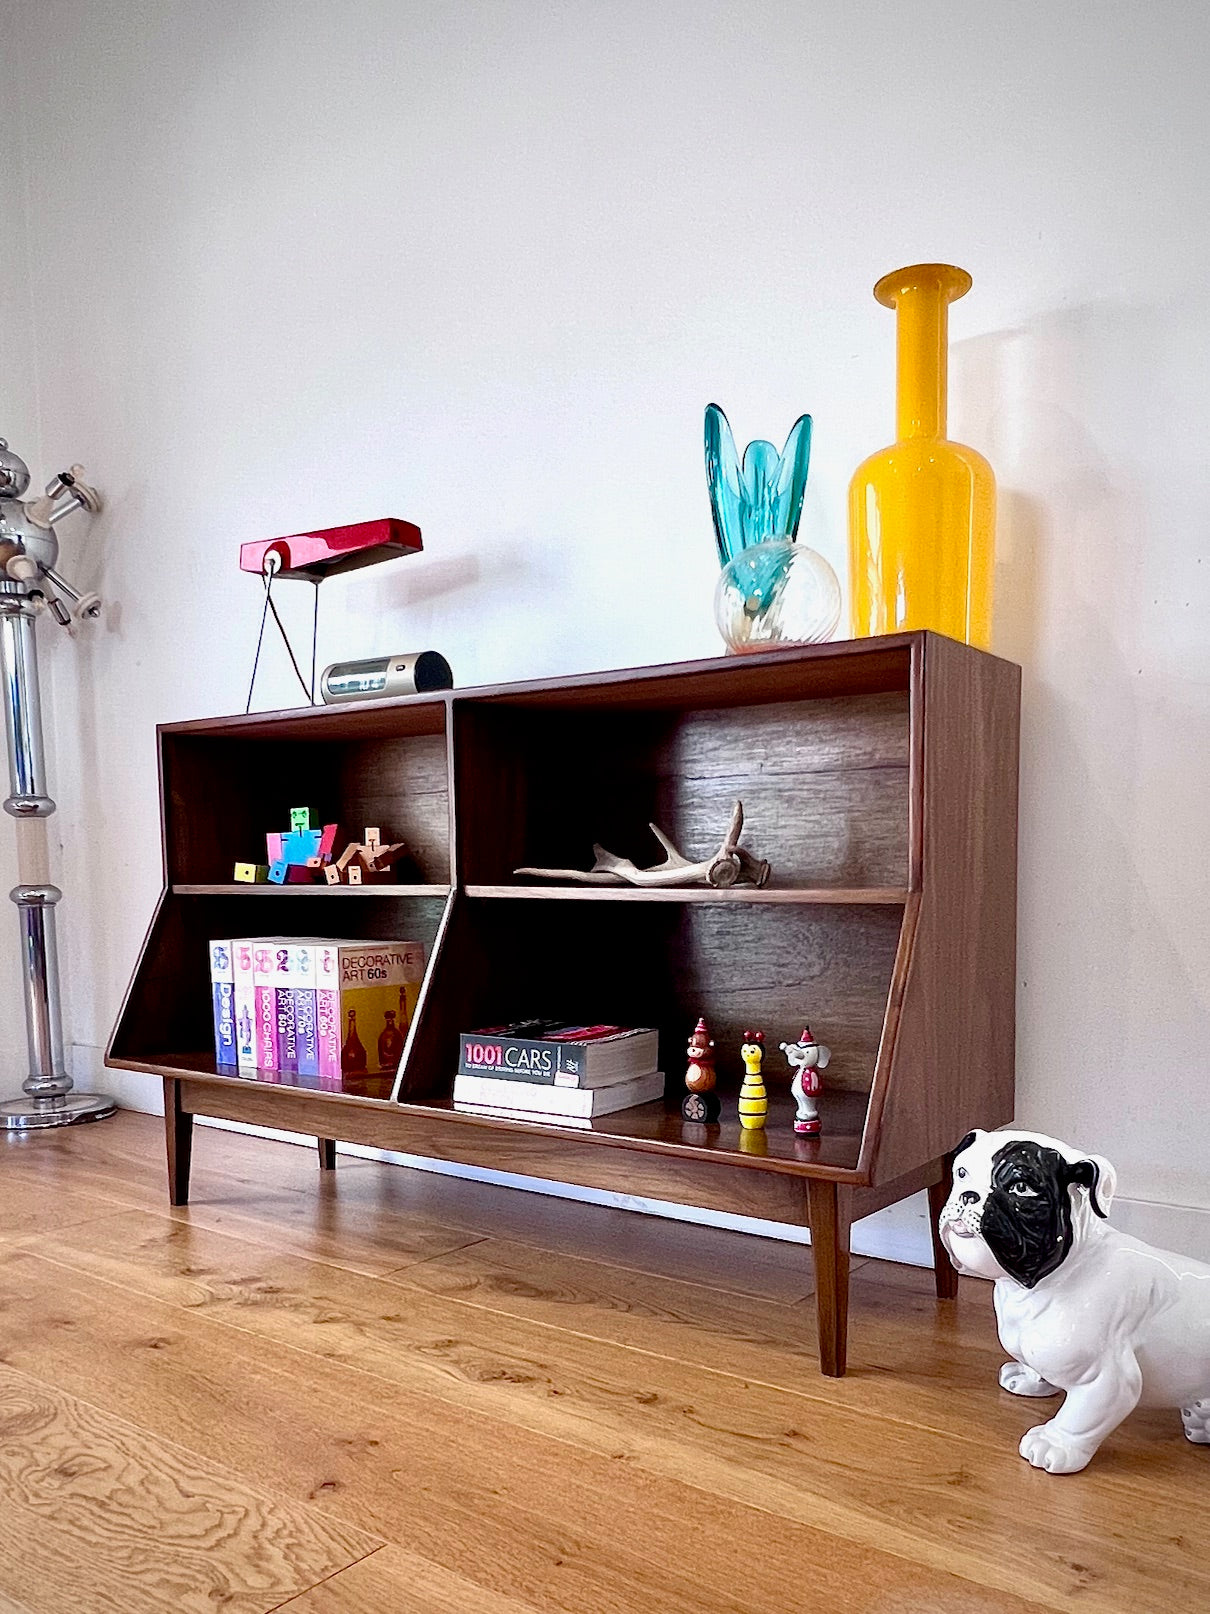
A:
[922,514]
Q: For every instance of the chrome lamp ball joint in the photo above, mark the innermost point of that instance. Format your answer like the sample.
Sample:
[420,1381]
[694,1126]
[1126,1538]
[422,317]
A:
[29,586]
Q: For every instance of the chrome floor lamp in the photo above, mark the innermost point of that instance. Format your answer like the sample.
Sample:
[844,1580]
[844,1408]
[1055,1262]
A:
[29,584]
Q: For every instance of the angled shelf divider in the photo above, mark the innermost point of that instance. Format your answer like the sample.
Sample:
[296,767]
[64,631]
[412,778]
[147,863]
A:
[879,778]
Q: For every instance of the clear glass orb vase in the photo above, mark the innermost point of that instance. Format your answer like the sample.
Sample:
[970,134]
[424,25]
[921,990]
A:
[776,592]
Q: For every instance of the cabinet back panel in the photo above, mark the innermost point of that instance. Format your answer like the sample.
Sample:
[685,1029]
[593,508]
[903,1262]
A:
[824,785]
[664,964]
[170,1005]
[223,796]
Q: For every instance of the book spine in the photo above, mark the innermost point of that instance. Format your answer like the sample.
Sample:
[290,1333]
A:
[244,1006]
[265,1005]
[305,1024]
[327,1011]
[222,990]
[282,981]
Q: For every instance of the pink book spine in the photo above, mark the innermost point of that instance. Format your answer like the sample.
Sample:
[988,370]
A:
[327,1011]
[266,1010]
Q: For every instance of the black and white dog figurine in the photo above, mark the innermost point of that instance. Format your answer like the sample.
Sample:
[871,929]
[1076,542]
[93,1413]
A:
[1080,1306]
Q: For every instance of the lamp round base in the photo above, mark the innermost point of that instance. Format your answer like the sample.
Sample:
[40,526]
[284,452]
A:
[27,1115]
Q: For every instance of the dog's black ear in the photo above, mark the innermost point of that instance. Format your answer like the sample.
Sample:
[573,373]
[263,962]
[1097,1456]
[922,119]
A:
[965,1144]
[1087,1174]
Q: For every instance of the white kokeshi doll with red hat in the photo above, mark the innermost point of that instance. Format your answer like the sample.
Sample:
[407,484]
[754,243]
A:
[806,1058]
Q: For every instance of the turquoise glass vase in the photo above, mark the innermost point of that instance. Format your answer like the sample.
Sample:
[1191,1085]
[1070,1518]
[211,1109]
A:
[772,590]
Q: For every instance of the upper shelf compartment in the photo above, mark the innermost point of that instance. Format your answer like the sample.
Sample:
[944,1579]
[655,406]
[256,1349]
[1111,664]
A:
[824,779]
[249,772]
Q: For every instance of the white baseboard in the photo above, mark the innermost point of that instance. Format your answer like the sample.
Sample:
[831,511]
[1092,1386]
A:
[898,1233]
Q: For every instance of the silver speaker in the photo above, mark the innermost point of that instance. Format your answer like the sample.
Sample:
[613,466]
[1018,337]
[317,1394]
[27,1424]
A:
[417,673]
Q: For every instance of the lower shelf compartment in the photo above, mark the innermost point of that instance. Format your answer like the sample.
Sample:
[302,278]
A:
[276,1099]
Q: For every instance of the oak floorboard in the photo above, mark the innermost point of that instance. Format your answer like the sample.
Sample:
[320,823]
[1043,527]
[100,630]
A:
[717,1257]
[913,1361]
[943,1498]
[29,1207]
[393,1580]
[123,1160]
[521,1516]
[234,1173]
[323,1228]
[98,1515]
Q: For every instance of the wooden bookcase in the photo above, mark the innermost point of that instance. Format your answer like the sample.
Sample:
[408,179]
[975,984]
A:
[879,777]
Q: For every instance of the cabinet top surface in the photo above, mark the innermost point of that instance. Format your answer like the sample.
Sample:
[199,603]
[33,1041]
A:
[851,666]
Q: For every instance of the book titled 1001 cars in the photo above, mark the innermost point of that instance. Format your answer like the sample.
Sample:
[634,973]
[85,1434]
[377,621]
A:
[555,1054]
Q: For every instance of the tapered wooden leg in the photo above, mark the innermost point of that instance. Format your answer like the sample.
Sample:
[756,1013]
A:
[178,1135]
[944,1273]
[327,1153]
[828,1213]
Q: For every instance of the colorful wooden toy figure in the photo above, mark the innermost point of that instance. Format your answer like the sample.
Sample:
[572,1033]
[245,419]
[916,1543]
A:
[806,1058]
[753,1100]
[701,1102]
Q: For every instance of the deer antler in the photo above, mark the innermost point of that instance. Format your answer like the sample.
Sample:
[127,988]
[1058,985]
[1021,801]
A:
[729,866]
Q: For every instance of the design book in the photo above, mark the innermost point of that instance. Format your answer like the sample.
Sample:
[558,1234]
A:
[311,1006]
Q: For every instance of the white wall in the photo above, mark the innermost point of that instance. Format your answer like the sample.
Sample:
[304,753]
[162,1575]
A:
[482,265]
[19,419]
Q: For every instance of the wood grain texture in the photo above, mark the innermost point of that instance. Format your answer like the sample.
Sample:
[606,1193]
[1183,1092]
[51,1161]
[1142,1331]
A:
[99,1515]
[398,783]
[392,1580]
[662,1159]
[788,1451]
[471,1498]
[440,1409]
[956,1035]
[169,1005]
[178,1143]
[468,1493]
[945,1272]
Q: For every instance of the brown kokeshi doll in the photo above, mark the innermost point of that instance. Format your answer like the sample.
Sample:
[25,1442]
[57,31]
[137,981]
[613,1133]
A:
[701,1103]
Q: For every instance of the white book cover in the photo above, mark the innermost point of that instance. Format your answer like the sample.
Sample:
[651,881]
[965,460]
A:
[242,957]
[539,1100]
[497,1114]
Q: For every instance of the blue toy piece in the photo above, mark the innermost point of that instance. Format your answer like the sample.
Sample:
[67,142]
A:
[300,844]
[277,872]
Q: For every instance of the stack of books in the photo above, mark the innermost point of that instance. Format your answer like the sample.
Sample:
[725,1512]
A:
[312,1006]
[547,1070]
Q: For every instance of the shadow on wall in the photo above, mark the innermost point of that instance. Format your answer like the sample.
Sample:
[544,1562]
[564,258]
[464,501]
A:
[1102,595]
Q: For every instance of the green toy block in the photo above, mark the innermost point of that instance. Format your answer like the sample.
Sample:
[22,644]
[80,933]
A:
[251,873]
[303,818]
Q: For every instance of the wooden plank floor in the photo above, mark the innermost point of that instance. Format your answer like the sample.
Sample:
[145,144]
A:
[383,1390]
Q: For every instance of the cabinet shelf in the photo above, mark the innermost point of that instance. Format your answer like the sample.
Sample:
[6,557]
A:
[693,894]
[653,1128]
[239,889]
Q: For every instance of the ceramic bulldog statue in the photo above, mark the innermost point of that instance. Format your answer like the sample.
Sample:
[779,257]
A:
[1081,1308]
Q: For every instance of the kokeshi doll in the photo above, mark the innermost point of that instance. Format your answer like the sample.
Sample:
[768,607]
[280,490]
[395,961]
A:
[700,1103]
[806,1058]
[753,1100]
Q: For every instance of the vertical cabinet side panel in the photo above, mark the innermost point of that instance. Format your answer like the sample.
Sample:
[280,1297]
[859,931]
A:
[954,1062]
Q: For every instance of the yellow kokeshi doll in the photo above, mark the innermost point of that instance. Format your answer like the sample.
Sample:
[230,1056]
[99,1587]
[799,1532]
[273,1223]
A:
[753,1100]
